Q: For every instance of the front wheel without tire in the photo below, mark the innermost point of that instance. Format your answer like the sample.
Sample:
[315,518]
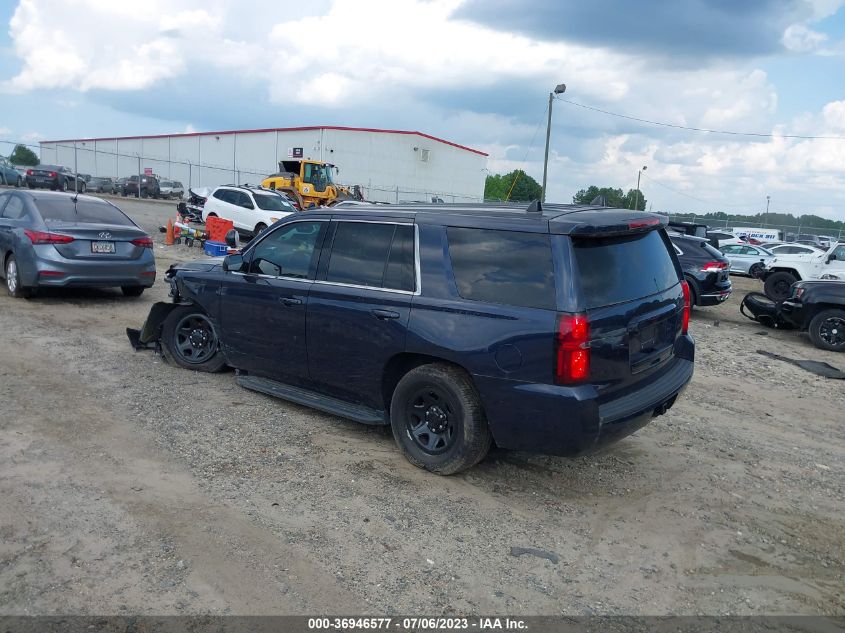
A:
[189,339]
[827,330]
[438,421]
[778,284]
[13,280]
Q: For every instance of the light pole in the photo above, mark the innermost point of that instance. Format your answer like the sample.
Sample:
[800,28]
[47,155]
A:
[637,192]
[559,90]
[768,198]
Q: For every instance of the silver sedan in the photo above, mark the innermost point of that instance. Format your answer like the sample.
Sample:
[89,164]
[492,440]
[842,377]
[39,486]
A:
[746,259]
[61,239]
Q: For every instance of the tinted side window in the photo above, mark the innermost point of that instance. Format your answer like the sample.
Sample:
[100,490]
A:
[14,209]
[400,272]
[287,252]
[503,266]
[360,252]
[220,194]
[243,200]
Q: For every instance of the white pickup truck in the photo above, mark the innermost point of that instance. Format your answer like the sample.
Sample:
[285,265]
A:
[785,270]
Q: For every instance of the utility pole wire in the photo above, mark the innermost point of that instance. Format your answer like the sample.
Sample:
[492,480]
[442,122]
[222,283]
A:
[701,129]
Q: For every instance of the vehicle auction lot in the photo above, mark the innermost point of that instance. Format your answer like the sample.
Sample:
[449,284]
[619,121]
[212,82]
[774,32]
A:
[133,486]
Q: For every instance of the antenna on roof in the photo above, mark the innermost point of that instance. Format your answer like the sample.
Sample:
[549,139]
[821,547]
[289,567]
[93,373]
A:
[599,201]
[534,207]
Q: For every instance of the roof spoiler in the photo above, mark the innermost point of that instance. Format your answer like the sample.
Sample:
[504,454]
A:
[535,207]
[624,227]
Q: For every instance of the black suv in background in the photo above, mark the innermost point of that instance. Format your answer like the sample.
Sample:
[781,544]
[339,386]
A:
[556,329]
[818,308]
[706,270]
[150,187]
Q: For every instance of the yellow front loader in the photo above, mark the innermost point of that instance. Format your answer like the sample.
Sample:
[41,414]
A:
[310,183]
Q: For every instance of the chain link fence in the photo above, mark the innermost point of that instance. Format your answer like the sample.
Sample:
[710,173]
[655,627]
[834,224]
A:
[104,163]
[788,230]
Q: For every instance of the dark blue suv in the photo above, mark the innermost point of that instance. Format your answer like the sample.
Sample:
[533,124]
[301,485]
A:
[556,329]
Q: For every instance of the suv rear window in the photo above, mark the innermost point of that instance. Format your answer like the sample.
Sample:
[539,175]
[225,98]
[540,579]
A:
[272,202]
[505,267]
[64,210]
[619,269]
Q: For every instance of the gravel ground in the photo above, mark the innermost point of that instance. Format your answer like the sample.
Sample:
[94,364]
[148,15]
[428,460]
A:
[131,486]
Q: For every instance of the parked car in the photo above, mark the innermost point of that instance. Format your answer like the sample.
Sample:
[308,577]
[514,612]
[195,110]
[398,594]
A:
[783,271]
[809,238]
[557,330]
[120,186]
[818,308]
[101,185]
[746,259]
[54,177]
[58,239]
[9,175]
[718,239]
[150,187]
[704,268]
[251,209]
[172,189]
[793,248]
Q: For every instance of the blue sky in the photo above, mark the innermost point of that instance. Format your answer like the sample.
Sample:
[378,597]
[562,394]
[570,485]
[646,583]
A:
[477,72]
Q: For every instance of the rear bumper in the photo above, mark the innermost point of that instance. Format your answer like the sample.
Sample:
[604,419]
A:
[714,298]
[42,267]
[559,420]
[40,183]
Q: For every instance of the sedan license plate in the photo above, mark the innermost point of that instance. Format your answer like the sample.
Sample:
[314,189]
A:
[102,247]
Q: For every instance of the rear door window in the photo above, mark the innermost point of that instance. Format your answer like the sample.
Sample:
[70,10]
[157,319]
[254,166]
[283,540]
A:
[373,254]
[619,269]
[506,267]
[61,209]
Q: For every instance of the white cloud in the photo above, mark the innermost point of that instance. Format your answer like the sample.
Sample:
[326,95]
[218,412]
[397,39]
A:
[802,39]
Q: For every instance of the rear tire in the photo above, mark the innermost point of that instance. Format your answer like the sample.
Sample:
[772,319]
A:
[19,182]
[63,185]
[132,291]
[827,330]
[438,421]
[756,270]
[189,340]
[13,280]
[778,284]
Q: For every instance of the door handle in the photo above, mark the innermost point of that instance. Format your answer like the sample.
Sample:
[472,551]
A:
[383,315]
[290,301]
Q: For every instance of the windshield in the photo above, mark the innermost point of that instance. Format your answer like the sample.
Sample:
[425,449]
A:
[272,202]
[86,211]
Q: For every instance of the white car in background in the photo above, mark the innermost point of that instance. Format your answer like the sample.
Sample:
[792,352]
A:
[251,209]
[784,270]
[788,250]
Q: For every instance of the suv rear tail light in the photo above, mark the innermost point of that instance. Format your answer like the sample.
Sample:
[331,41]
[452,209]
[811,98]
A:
[572,352]
[53,174]
[42,237]
[144,242]
[687,307]
[28,172]
[714,267]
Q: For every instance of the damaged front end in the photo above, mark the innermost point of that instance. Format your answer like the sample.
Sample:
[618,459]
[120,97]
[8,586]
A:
[148,337]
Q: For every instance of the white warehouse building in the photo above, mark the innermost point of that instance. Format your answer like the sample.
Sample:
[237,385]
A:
[390,165]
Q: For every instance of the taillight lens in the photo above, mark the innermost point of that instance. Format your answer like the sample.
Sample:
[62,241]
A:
[797,292]
[714,267]
[28,172]
[42,237]
[144,242]
[572,352]
[53,174]
[687,307]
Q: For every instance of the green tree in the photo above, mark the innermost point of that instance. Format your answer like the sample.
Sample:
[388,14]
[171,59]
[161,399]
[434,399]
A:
[521,186]
[613,197]
[24,156]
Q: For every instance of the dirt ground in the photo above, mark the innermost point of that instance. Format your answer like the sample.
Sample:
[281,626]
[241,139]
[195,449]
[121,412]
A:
[131,486]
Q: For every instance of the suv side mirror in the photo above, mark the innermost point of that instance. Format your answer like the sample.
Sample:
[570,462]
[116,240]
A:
[233,240]
[233,263]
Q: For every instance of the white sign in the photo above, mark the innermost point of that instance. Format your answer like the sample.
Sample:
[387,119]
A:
[772,235]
